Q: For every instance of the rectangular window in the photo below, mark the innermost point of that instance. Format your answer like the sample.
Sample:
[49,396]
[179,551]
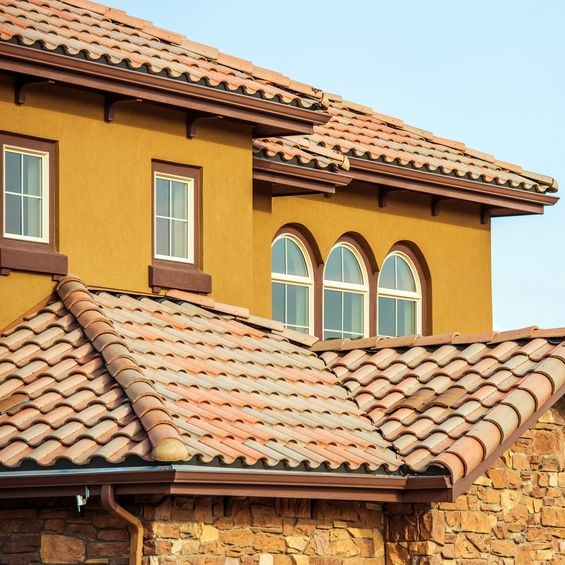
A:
[174,218]
[176,195]
[28,206]
[26,201]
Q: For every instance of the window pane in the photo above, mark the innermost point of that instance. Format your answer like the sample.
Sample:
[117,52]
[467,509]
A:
[162,197]
[387,277]
[179,198]
[32,217]
[406,317]
[277,255]
[13,214]
[329,334]
[353,313]
[278,302]
[296,305]
[295,263]
[332,311]
[32,175]
[179,242]
[162,233]
[333,266]
[351,269]
[13,171]
[387,316]
[404,277]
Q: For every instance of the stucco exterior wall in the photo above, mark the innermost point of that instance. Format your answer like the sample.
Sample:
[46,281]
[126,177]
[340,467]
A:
[455,244]
[105,191]
[105,216]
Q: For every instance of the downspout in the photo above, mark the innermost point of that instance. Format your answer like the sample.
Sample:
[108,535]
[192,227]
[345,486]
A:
[134,523]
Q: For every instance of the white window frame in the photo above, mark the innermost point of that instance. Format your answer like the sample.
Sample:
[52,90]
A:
[45,193]
[348,287]
[298,280]
[190,217]
[415,296]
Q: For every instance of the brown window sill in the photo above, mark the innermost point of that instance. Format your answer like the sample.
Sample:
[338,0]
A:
[34,257]
[168,274]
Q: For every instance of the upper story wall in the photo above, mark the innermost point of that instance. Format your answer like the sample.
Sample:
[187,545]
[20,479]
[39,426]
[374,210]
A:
[104,191]
[104,224]
[455,245]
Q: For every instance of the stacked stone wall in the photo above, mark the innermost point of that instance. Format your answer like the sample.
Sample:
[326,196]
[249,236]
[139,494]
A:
[512,515]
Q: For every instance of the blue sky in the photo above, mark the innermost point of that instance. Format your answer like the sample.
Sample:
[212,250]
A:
[490,74]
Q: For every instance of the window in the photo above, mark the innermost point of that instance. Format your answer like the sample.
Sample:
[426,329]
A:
[174,218]
[27,203]
[292,284]
[399,297]
[345,294]
[176,194]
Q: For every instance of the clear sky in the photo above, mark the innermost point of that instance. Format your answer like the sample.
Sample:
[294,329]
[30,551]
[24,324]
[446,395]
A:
[490,73]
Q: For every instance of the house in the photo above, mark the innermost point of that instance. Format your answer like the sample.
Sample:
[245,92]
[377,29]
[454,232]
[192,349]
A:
[162,202]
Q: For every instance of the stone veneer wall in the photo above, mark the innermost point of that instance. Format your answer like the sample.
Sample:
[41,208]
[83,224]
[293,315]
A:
[185,530]
[512,515]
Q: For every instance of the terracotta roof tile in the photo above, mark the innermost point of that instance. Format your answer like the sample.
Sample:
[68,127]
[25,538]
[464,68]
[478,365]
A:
[131,372]
[100,375]
[111,36]
[463,400]
[358,131]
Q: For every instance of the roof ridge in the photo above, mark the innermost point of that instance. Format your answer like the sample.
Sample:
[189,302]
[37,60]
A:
[451,338]
[162,432]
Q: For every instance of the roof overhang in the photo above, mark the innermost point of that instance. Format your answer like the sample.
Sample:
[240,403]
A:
[498,200]
[293,180]
[193,480]
[266,117]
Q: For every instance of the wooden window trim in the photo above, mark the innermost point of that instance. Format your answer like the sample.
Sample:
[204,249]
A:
[165,273]
[22,255]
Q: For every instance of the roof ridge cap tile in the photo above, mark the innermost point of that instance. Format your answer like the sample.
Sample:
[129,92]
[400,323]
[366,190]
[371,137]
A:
[163,434]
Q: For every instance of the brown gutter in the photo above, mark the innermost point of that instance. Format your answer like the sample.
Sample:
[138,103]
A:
[135,526]
[287,179]
[227,482]
[503,200]
[269,118]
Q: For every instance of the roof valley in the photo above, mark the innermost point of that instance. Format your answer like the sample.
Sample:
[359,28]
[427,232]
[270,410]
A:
[162,432]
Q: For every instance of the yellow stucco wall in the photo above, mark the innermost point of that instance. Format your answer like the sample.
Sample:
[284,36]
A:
[455,244]
[105,195]
[105,191]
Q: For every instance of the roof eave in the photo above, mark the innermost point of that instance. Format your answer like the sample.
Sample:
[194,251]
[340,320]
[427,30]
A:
[182,480]
[287,179]
[499,200]
[268,118]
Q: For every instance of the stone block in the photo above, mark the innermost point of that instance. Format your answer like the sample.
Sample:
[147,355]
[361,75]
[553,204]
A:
[297,543]
[397,554]
[269,543]
[553,516]
[504,548]
[61,549]
[478,522]
[240,537]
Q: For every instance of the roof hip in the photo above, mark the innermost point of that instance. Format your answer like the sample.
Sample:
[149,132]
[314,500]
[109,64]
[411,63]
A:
[146,403]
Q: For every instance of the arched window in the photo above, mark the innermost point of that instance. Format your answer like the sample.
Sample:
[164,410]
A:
[399,297]
[292,284]
[345,294]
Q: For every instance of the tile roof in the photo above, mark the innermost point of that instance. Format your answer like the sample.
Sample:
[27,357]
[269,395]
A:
[109,36]
[451,400]
[97,376]
[358,131]
[100,375]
